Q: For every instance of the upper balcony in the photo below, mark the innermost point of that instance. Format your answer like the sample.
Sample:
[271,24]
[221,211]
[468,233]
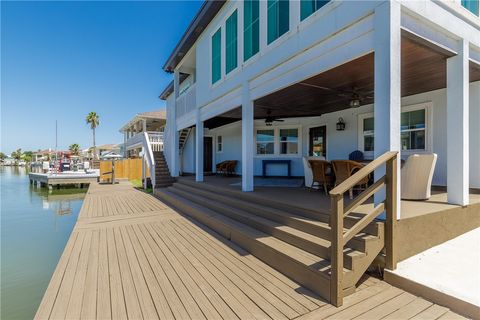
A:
[186,101]
[151,122]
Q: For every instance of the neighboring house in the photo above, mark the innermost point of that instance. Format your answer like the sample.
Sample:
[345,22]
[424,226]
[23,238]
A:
[152,123]
[259,80]
[43,155]
[110,148]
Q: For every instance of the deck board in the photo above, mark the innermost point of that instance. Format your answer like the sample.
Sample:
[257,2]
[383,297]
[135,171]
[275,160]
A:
[131,256]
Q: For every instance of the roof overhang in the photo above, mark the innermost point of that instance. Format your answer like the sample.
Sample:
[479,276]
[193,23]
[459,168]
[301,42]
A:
[207,12]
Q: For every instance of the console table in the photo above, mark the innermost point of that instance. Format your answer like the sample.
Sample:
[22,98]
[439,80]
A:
[275,161]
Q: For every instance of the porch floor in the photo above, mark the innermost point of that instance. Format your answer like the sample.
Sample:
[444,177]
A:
[316,200]
[131,256]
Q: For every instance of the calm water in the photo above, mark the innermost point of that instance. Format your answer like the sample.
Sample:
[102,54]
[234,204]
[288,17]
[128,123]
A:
[35,227]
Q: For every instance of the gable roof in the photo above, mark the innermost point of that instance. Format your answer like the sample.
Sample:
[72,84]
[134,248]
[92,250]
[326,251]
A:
[205,14]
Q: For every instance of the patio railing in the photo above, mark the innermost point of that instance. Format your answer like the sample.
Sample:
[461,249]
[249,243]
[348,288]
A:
[339,211]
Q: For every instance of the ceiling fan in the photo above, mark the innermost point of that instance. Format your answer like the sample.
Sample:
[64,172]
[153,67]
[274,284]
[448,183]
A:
[356,97]
[269,119]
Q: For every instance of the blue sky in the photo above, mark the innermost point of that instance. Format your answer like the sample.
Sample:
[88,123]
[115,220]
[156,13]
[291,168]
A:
[61,60]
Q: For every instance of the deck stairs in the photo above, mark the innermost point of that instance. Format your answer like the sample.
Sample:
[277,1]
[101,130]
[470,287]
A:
[162,173]
[182,140]
[293,240]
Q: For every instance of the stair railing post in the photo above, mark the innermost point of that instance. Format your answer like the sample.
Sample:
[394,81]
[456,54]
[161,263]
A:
[336,254]
[391,213]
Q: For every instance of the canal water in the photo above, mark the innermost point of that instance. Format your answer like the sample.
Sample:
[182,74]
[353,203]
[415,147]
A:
[35,227]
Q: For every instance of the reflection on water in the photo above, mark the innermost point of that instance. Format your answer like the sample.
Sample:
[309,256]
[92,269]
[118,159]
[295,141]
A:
[35,226]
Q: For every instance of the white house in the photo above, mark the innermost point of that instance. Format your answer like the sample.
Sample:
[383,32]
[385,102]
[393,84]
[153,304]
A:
[401,75]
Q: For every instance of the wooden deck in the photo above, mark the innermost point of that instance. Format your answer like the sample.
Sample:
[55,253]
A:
[131,256]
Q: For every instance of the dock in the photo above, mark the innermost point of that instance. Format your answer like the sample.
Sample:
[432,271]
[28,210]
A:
[132,256]
[58,179]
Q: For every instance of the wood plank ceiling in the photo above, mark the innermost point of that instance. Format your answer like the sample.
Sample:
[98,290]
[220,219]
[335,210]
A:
[423,69]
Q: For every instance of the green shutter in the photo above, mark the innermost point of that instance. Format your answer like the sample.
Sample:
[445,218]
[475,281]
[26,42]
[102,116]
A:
[251,29]
[216,56]
[278,12]
[307,7]
[472,5]
[231,43]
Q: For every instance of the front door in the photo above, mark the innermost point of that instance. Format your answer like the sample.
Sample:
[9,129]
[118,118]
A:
[318,141]
[207,154]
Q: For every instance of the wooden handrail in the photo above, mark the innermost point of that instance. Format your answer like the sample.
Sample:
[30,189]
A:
[362,173]
[339,211]
[362,197]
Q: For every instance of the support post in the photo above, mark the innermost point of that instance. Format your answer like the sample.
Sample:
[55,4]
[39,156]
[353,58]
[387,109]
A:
[247,139]
[458,126]
[199,131]
[336,254]
[391,206]
[175,151]
[387,44]
[144,174]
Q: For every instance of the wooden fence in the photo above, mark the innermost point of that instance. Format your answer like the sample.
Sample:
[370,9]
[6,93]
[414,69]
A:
[130,169]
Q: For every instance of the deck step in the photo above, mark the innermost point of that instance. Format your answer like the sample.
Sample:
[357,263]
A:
[311,226]
[305,241]
[250,199]
[307,269]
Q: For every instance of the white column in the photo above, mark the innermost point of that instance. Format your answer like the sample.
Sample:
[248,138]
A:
[198,147]
[457,126]
[144,122]
[125,143]
[247,138]
[174,170]
[387,46]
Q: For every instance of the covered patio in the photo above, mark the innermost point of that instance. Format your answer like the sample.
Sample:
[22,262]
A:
[338,94]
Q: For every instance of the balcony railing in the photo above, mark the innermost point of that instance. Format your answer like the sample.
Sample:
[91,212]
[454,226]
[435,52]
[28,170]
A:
[186,102]
[155,139]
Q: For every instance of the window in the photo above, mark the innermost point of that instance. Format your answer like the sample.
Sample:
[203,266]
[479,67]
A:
[251,31]
[368,129]
[231,59]
[216,56]
[472,6]
[307,7]
[413,130]
[277,19]
[288,141]
[219,144]
[265,141]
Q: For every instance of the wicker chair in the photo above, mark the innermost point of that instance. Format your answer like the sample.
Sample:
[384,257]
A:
[320,169]
[416,176]
[227,167]
[344,169]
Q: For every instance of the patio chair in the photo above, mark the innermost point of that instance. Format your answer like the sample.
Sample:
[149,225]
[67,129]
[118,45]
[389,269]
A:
[343,169]
[307,169]
[416,176]
[230,167]
[321,177]
[356,155]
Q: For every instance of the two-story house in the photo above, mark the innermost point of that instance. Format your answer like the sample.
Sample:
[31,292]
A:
[283,80]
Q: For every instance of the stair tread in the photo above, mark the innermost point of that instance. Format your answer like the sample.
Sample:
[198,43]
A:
[273,224]
[307,259]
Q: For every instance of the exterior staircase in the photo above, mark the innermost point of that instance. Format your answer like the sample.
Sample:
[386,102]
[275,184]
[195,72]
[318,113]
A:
[182,140]
[293,240]
[162,173]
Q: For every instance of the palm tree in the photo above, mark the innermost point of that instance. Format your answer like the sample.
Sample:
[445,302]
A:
[74,149]
[17,155]
[93,120]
